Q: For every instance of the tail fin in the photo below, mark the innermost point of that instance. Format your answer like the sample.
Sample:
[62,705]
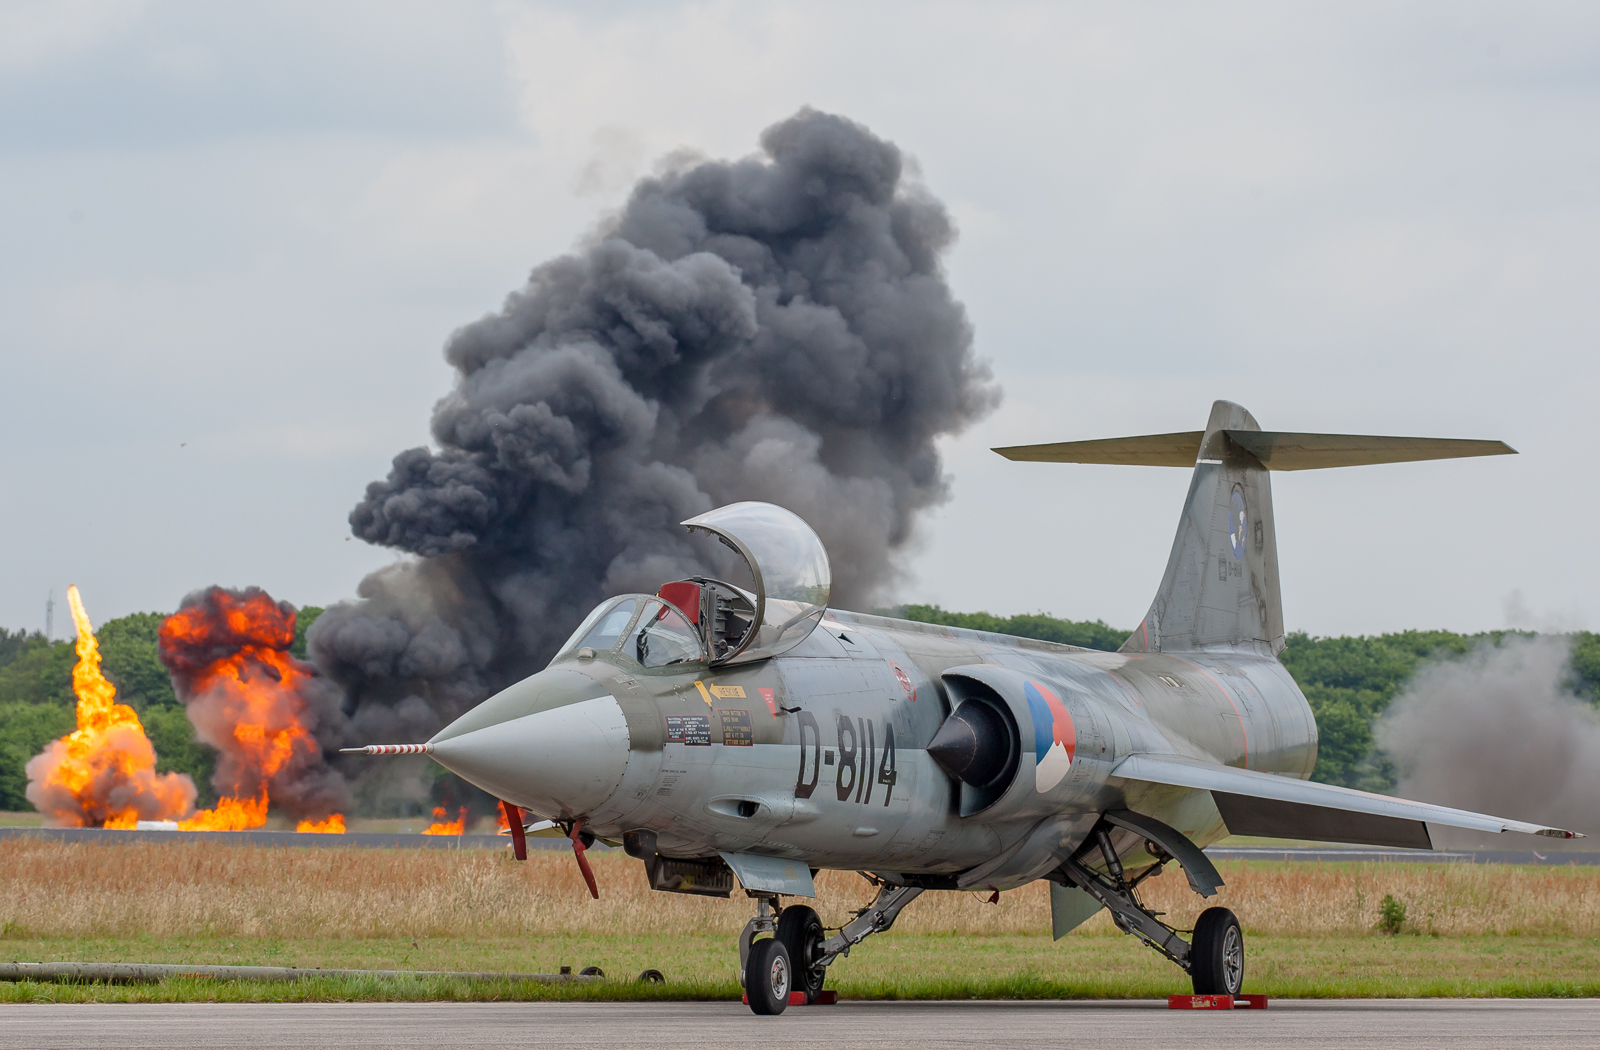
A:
[1221,584]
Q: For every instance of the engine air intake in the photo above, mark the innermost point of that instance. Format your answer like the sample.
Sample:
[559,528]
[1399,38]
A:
[978,745]
[972,745]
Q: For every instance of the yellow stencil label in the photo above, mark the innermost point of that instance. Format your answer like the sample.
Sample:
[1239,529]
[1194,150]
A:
[727,692]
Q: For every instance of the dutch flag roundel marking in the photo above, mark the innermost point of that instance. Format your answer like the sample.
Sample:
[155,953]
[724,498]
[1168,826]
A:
[1054,737]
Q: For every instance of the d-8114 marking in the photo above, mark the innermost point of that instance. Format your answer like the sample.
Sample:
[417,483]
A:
[862,737]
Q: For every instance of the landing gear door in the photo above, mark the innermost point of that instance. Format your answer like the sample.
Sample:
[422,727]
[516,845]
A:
[790,569]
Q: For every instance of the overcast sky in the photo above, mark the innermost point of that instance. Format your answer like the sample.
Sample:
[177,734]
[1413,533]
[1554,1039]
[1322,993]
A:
[233,239]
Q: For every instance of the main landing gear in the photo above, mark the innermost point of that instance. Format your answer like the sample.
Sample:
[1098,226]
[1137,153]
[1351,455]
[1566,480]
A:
[1214,957]
[795,958]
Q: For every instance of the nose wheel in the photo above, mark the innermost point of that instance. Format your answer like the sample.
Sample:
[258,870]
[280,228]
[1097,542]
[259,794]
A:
[767,976]
[791,960]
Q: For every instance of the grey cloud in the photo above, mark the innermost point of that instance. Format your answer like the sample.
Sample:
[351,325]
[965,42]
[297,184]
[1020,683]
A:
[1500,732]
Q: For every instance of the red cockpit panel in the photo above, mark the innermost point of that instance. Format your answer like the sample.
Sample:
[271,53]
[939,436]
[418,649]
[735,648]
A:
[685,595]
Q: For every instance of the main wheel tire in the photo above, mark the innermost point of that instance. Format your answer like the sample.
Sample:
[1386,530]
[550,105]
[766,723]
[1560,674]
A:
[1216,959]
[800,930]
[768,977]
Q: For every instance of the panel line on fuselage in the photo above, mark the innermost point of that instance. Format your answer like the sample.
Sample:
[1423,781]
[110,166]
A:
[1227,693]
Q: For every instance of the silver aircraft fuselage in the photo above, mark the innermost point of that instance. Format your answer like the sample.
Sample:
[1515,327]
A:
[820,755]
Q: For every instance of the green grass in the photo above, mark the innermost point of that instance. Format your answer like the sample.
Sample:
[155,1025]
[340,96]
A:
[1312,929]
[892,966]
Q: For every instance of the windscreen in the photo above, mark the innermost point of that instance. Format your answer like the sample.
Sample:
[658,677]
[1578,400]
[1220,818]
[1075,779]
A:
[605,625]
[662,637]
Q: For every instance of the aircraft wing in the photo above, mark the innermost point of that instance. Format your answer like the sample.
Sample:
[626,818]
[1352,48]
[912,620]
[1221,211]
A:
[1273,806]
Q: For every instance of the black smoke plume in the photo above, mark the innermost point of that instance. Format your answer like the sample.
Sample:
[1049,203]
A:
[776,328]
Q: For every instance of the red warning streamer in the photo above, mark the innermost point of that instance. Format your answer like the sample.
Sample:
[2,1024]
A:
[519,841]
[583,862]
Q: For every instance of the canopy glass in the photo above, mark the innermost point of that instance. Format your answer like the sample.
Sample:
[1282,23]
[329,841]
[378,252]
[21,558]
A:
[790,569]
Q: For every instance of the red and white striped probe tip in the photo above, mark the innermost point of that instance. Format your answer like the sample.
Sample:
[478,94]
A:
[389,749]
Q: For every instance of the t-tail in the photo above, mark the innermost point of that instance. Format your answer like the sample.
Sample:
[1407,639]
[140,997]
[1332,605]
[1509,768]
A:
[1220,589]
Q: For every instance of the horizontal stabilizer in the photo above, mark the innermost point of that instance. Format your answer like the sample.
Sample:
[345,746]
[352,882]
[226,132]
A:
[1253,803]
[1280,451]
[1146,450]
[1276,450]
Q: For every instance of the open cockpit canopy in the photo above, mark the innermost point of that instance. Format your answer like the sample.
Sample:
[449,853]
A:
[704,620]
[792,582]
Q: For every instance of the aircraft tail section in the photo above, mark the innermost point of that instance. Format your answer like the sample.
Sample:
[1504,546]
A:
[1221,583]
[1220,588]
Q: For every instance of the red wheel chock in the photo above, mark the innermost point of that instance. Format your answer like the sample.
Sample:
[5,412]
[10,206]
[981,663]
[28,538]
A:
[1216,1002]
[827,997]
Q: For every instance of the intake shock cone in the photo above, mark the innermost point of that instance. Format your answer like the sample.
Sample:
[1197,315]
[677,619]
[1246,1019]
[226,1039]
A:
[972,745]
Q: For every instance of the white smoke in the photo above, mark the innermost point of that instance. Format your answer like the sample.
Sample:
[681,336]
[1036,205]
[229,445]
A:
[1499,731]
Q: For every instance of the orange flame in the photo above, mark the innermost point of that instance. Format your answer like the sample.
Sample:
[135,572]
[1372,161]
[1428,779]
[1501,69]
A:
[241,687]
[334,825]
[104,773]
[258,682]
[457,826]
[231,814]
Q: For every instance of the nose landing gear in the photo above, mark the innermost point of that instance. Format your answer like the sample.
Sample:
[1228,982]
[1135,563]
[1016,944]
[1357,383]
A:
[797,955]
[764,966]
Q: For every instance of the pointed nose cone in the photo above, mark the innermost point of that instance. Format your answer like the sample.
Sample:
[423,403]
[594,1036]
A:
[539,746]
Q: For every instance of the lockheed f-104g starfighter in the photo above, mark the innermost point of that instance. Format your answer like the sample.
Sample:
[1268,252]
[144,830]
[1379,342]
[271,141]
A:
[746,731]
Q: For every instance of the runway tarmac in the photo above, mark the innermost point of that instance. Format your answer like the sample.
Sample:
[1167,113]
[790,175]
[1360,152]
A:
[1416,1024]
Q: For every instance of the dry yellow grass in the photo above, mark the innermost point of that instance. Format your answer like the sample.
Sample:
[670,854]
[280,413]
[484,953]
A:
[208,890]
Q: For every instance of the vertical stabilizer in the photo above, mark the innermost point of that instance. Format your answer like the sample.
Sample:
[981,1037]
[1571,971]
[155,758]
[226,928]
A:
[1221,584]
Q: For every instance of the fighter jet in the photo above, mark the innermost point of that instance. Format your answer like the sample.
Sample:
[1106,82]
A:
[723,731]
